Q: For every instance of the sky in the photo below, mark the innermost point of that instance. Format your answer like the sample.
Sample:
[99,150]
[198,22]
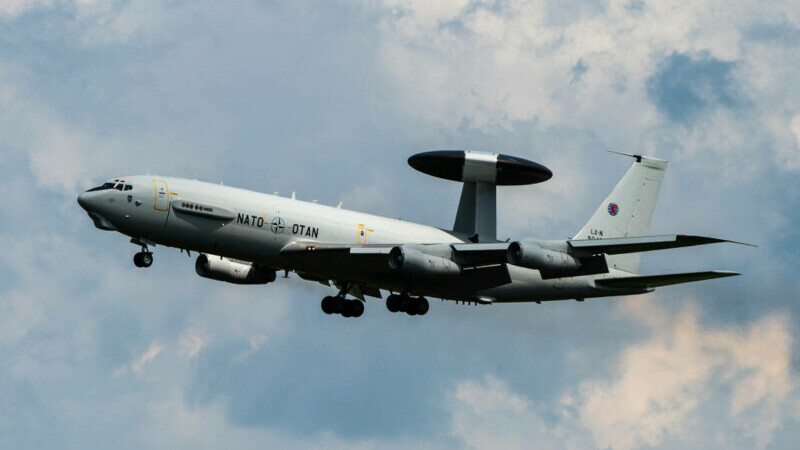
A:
[329,99]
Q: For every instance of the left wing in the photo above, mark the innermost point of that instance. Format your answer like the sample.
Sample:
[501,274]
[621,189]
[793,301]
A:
[618,246]
[472,266]
[654,281]
[466,255]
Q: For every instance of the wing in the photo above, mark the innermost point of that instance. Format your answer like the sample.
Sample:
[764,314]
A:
[617,246]
[482,265]
[313,253]
[654,281]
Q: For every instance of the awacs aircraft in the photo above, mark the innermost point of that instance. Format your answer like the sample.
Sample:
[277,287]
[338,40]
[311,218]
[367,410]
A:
[245,237]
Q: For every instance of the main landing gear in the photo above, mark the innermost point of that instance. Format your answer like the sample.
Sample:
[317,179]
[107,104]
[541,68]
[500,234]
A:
[340,305]
[413,306]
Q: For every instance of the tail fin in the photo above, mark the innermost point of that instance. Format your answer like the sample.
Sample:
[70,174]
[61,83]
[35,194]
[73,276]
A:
[626,212]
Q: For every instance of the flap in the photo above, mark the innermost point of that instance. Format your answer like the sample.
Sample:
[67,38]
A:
[480,254]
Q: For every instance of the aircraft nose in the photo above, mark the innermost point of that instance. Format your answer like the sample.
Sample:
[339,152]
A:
[84,201]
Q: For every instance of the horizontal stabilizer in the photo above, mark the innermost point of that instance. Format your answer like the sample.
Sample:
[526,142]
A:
[618,246]
[654,281]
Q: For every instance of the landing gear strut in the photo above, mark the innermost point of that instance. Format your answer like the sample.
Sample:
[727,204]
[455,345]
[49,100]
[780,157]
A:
[412,306]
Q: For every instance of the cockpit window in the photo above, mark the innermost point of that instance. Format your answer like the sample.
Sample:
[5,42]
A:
[118,187]
[128,187]
[103,187]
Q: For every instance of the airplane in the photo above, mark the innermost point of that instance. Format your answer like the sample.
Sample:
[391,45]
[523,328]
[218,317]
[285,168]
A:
[247,237]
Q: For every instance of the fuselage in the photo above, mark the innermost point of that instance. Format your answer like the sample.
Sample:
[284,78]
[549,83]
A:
[251,226]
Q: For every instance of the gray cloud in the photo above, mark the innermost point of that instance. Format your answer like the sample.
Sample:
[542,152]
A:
[684,87]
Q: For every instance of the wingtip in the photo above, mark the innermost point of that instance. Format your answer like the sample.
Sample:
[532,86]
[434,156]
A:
[726,273]
[741,243]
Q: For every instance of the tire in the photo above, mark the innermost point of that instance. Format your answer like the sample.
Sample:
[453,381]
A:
[392,303]
[403,303]
[411,307]
[339,305]
[357,308]
[147,259]
[347,311]
[327,305]
[422,306]
[137,260]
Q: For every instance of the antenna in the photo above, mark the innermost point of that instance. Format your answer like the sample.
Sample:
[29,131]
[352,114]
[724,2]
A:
[637,157]
[293,195]
[339,206]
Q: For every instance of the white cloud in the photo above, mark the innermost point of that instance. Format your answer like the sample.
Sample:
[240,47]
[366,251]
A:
[10,9]
[19,313]
[149,355]
[664,392]
[191,342]
[488,415]
[507,62]
[664,383]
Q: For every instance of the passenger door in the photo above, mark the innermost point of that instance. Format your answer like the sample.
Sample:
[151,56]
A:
[162,198]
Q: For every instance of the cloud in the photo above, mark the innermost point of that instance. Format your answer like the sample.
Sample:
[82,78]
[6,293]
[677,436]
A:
[644,73]
[487,414]
[684,87]
[665,384]
[10,9]
[662,392]
[146,357]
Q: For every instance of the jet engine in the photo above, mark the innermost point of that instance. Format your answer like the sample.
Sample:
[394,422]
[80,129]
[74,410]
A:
[414,262]
[223,269]
[532,256]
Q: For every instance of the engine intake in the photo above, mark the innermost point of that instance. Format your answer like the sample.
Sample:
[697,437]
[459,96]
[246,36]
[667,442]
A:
[415,262]
[223,269]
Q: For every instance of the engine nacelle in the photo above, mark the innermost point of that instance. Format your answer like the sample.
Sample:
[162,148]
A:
[223,269]
[532,256]
[414,262]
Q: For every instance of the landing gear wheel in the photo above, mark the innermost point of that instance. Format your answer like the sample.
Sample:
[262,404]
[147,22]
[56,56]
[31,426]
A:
[328,305]
[422,306]
[393,303]
[347,311]
[137,260]
[411,306]
[339,305]
[403,303]
[147,259]
[357,308]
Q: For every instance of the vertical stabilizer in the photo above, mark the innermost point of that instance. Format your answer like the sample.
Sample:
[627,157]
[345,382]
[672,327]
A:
[627,211]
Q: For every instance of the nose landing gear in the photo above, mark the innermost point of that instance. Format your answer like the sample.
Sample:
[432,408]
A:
[143,259]
[412,306]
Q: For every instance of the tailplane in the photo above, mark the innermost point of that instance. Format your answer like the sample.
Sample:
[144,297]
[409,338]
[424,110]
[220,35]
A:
[627,210]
